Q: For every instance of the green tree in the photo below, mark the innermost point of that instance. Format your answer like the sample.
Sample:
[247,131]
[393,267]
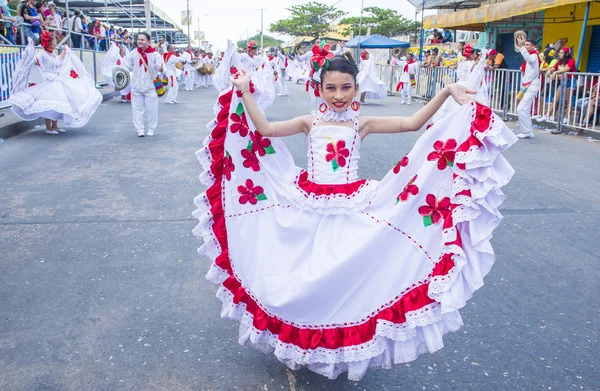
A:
[268,41]
[312,19]
[386,22]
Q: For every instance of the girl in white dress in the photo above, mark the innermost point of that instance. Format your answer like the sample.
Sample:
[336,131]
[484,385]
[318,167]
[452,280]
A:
[53,87]
[334,272]
[370,87]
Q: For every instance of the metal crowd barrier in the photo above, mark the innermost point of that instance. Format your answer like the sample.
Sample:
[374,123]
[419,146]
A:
[570,101]
[11,54]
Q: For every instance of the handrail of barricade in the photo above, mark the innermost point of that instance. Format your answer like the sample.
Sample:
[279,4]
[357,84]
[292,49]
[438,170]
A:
[570,100]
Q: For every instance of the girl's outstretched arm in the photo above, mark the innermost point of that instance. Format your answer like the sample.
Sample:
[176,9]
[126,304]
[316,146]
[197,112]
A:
[416,121]
[276,129]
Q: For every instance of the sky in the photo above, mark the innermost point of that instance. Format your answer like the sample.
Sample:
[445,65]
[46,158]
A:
[233,19]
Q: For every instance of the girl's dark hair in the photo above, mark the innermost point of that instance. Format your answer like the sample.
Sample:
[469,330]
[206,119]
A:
[566,57]
[341,64]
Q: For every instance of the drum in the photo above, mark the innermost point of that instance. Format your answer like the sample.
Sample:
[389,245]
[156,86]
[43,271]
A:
[201,69]
[210,69]
[519,33]
[121,78]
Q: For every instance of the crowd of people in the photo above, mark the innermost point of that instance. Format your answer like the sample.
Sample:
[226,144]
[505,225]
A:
[39,16]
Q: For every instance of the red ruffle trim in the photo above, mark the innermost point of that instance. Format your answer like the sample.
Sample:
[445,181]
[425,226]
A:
[329,336]
[317,189]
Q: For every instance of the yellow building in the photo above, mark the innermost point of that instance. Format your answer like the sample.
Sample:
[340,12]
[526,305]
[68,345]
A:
[545,21]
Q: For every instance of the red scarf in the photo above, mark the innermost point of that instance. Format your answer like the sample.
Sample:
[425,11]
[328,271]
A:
[524,65]
[204,56]
[407,64]
[150,49]
[271,58]
[168,55]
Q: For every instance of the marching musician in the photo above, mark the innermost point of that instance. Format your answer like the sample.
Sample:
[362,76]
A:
[189,68]
[173,66]
[282,69]
[213,63]
[144,63]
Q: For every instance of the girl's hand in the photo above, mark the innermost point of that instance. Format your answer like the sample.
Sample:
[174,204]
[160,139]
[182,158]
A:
[243,80]
[460,93]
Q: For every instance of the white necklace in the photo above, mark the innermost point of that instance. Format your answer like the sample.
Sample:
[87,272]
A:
[342,116]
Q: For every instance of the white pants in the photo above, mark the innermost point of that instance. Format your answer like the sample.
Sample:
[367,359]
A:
[188,80]
[524,107]
[406,93]
[173,88]
[209,81]
[144,104]
[281,85]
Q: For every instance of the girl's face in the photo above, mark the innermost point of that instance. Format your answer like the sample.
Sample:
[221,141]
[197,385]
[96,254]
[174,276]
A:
[561,54]
[338,90]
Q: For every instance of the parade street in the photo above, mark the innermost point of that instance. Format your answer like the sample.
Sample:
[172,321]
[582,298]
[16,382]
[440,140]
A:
[101,286]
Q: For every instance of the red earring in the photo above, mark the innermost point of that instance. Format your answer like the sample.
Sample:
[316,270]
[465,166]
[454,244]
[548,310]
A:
[323,107]
[355,105]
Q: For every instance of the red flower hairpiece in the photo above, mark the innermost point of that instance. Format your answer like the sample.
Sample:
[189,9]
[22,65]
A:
[467,50]
[321,57]
[364,54]
[251,46]
[46,39]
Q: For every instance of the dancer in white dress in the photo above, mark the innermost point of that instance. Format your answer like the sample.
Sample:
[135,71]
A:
[172,61]
[370,87]
[115,57]
[340,274]
[54,87]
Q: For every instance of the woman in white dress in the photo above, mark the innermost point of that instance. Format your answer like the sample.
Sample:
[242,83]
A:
[370,87]
[115,57]
[53,87]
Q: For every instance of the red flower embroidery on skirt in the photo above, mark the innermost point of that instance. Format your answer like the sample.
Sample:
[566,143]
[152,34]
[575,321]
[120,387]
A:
[228,166]
[250,193]
[337,153]
[400,164]
[74,74]
[433,212]
[250,160]
[238,124]
[233,71]
[118,62]
[260,145]
[409,189]
[444,153]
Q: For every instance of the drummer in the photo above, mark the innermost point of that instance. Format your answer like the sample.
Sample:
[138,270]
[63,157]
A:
[210,60]
[173,67]
[189,68]
[201,75]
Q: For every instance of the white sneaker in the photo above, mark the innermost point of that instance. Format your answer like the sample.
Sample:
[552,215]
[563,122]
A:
[59,130]
[140,133]
[525,135]
[150,133]
[51,132]
[541,119]
[175,101]
[402,103]
[169,102]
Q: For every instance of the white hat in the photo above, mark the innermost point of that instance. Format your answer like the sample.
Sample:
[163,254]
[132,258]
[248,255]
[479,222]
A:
[50,4]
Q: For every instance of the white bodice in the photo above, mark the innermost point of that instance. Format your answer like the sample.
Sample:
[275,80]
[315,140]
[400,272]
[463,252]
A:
[50,64]
[333,153]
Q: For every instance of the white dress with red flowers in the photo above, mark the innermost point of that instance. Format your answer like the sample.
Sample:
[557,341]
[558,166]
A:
[338,273]
[369,82]
[62,90]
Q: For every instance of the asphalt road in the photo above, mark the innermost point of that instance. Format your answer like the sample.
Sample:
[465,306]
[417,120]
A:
[101,287]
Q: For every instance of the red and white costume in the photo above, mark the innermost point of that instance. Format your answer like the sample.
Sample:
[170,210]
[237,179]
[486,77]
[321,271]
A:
[47,86]
[144,66]
[530,86]
[340,274]
[189,70]
[407,80]
[281,68]
[172,73]
[368,81]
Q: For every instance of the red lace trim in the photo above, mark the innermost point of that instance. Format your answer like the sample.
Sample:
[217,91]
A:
[312,188]
[413,298]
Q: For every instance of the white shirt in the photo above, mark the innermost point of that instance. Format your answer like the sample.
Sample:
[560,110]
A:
[50,64]
[142,80]
[250,64]
[171,65]
[77,27]
[532,69]
[282,59]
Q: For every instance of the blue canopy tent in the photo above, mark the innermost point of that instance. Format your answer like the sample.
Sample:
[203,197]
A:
[376,41]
